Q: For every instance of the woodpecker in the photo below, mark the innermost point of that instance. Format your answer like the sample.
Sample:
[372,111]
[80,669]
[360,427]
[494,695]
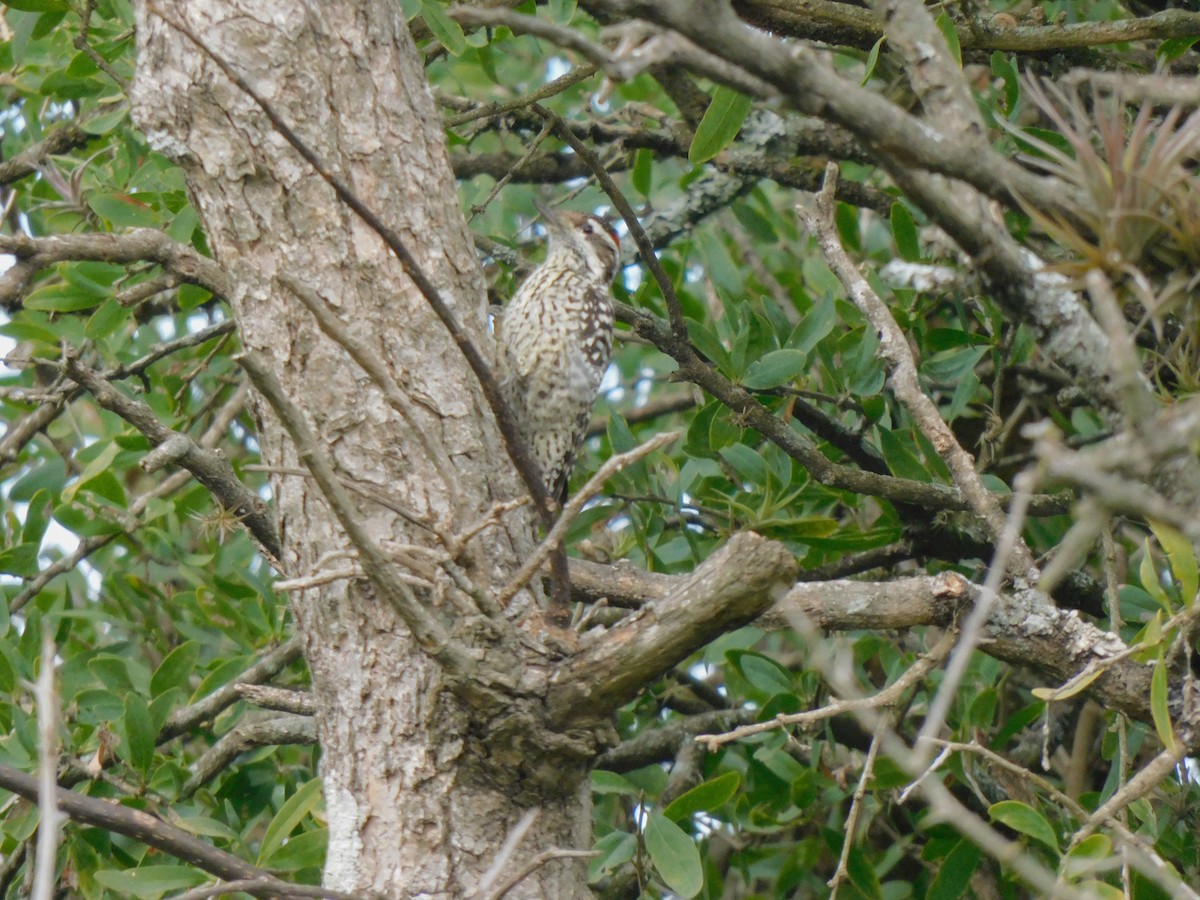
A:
[555,338]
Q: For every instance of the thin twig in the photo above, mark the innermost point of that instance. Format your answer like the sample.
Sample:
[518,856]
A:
[210,468]
[533,865]
[851,826]
[575,506]
[139,825]
[325,576]
[976,621]
[1147,778]
[818,217]
[49,817]
[887,697]
[644,244]
[507,849]
[269,886]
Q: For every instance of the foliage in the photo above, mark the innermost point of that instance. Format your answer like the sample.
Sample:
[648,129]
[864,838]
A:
[154,597]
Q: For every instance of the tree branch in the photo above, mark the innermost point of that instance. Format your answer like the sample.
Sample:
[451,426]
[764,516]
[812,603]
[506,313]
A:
[136,245]
[730,588]
[143,827]
[209,467]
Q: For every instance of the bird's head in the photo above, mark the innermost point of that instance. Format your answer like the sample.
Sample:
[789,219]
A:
[590,238]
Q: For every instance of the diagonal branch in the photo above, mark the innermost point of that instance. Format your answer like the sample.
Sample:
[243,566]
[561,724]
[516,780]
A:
[818,218]
[152,831]
[209,467]
[732,587]
[137,245]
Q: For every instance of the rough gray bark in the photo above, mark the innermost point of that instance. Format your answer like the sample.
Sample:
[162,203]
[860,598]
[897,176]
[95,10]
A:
[406,815]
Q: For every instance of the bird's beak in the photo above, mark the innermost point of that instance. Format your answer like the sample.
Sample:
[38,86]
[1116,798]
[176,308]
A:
[550,216]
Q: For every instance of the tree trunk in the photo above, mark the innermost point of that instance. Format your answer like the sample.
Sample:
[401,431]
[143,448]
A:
[415,806]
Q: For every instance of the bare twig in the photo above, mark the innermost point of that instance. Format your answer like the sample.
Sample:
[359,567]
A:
[975,623]
[533,865]
[894,350]
[289,729]
[210,468]
[888,697]
[851,825]
[89,545]
[575,506]
[141,826]
[300,703]
[1147,778]
[271,887]
[506,851]
[325,576]
[49,817]
[136,245]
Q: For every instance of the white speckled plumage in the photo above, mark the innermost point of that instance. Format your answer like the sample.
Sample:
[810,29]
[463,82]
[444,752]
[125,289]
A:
[556,340]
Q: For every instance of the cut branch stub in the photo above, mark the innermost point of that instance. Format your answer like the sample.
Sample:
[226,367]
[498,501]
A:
[730,588]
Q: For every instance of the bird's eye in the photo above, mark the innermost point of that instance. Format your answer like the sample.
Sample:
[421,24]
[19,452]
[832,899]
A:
[587,228]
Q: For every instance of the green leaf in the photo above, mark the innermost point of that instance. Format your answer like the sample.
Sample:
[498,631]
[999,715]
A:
[1102,891]
[614,849]
[1150,580]
[205,827]
[748,464]
[1182,556]
[904,230]
[37,517]
[704,797]
[763,672]
[720,124]
[954,876]
[107,319]
[674,855]
[139,733]
[20,560]
[872,59]
[293,811]
[1160,708]
[448,32]
[605,782]
[862,874]
[780,764]
[642,176]
[1089,856]
[175,670]
[901,458]
[945,25]
[300,852]
[815,326]
[99,466]
[124,210]
[562,11]
[150,881]
[776,368]
[106,122]
[39,5]
[1173,48]
[61,297]
[1025,819]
